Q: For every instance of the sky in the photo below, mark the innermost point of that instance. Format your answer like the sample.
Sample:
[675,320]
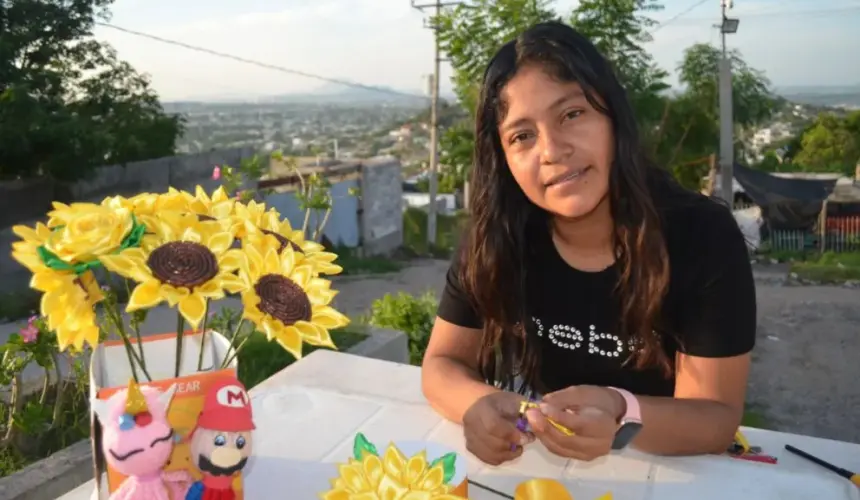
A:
[383,42]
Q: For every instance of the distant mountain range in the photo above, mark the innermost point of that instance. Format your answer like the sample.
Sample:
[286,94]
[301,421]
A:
[336,93]
[841,96]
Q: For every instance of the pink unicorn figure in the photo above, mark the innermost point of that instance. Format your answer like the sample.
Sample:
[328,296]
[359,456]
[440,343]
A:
[137,441]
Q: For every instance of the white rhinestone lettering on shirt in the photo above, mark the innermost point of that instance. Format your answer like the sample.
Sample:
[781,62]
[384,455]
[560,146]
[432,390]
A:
[566,337]
[599,344]
[539,326]
[605,344]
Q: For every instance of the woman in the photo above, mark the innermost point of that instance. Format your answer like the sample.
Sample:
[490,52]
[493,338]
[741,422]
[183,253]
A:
[587,275]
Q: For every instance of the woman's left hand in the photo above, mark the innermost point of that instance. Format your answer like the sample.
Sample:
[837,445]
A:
[591,413]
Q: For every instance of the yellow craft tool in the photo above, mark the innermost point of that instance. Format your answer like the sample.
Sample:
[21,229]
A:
[847,474]
[527,405]
[741,440]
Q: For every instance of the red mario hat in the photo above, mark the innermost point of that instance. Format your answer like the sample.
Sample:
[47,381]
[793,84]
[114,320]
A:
[226,407]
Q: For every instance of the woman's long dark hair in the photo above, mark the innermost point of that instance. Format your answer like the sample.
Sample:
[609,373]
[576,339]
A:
[493,269]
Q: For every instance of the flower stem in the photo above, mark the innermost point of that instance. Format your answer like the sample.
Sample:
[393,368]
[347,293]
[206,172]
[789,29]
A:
[116,317]
[180,332]
[61,386]
[233,349]
[136,326]
[236,351]
[203,338]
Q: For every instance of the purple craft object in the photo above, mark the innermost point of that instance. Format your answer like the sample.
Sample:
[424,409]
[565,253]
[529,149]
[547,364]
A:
[522,425]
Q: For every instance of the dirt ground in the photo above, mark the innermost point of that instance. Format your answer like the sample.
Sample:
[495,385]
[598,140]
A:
[805,362]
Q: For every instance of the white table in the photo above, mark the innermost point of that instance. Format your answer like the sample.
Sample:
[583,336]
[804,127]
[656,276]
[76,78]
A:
[308,415]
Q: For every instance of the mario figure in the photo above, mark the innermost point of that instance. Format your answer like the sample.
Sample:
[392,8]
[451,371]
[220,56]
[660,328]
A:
[221,440]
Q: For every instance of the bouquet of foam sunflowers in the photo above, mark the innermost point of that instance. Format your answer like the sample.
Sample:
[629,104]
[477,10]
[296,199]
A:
[185,250]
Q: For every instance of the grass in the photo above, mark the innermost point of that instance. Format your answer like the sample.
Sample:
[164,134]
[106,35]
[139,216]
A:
[39,439]
[348,259]
[19,305]
[829,267]
[448,231]
[259,359]
[754,418]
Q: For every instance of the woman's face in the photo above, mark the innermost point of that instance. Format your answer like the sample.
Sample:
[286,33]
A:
[559,148]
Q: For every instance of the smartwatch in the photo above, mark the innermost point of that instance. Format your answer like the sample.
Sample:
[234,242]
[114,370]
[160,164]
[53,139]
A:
[630,423]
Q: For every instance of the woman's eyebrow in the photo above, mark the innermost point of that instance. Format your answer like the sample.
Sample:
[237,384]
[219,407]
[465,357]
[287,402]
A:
[561,101]
[570,96]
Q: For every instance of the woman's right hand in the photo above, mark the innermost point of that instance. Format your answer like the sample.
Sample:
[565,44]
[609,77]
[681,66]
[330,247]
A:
[490,428]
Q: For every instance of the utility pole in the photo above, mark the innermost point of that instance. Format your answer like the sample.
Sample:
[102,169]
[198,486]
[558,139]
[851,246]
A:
[434,115]
[727,146]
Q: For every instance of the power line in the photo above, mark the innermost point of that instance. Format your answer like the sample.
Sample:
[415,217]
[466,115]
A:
[784,13]
[260,64]
[678,15]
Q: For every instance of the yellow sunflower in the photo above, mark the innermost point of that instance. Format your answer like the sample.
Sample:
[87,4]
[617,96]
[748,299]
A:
[250,216]
[272,230]
[218,207]
[392,477]
[68,303]
[68,298]
[287,301]
[185,261]
[150,204]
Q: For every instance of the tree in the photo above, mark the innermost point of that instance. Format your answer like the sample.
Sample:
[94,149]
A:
[689,128]
[752,98]
[67,104]
[470,34]
[456,145]
[832,144]
[620,30]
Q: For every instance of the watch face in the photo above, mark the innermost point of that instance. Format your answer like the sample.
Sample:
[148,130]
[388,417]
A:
[625,434]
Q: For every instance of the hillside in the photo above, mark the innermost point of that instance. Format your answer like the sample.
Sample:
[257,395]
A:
[847,96]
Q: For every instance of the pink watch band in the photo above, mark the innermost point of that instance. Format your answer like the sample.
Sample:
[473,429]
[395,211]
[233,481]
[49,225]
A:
[633,413]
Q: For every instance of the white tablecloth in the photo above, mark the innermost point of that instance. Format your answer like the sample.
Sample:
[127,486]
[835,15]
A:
[307,417]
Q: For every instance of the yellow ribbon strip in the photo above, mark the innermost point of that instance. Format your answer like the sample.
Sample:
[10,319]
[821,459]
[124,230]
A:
[527,405]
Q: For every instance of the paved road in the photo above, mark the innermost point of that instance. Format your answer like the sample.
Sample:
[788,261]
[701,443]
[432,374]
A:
[806,361]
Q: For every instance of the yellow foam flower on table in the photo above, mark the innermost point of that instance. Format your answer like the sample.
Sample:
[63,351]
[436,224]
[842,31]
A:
[84,231]
[68,299]
[392,477]
[547,489]
[286,301]
[184,262]
[272,230]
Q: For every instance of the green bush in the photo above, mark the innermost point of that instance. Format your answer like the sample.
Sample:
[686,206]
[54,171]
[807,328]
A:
[409,314]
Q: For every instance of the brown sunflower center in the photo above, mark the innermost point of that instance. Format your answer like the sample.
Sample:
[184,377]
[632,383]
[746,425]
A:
[283,299]
[183,264]
[284,241]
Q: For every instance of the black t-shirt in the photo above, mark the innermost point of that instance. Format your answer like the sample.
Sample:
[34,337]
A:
[710,305]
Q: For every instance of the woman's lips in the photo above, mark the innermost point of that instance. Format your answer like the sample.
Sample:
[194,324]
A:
[571,176]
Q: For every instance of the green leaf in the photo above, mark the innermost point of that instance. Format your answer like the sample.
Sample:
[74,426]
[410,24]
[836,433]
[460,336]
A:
[448,461]
[362,446]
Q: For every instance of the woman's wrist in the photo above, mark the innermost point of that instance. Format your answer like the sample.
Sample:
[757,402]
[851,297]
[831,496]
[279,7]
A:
[619,405]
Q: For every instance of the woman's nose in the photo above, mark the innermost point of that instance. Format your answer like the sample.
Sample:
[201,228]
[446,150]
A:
[554,147]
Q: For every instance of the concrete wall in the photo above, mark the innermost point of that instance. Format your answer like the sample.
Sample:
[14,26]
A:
[342,225]
[373,220]
[381,188]
[27,202]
